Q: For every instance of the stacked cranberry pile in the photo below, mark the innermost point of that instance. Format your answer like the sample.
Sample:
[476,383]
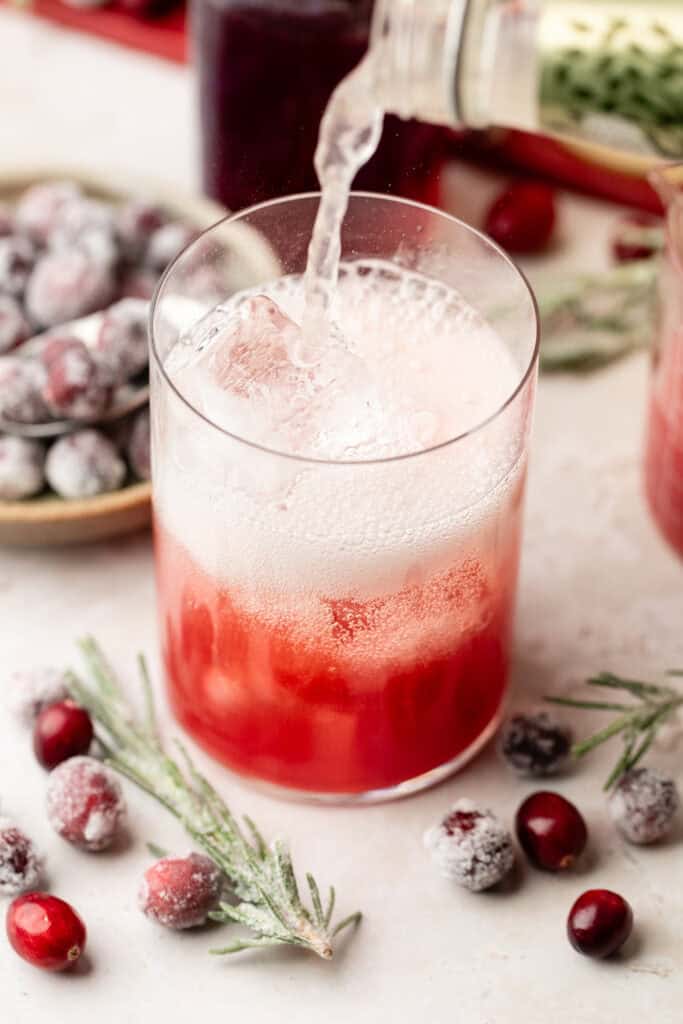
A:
[86,807]
[473,848]
[63,256]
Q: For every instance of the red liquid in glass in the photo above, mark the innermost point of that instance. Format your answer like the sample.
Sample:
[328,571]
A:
[286,701]
[664,449]
[266,71]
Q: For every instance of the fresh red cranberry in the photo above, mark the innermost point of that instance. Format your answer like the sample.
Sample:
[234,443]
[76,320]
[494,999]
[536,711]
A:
[67,284]
[522,218]
[84,464]
[45,931]
[122,341]
[180,892]
[638,236]
[14,327]
[85,803]
[61,731]
[138,447]
[21,468]
[599,923]
[551,831]
[20,865]
[74,387]
[38,208]
[17,257]
[21,390]
[136,222]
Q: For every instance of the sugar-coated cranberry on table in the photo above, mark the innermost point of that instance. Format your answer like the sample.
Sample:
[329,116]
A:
[166,243]
[181,892]
[643,805]
[20,866]
[535,744]
[17,259]
[599,923]
[551,831]
[14,327]
[61,731]
[22,465]
[84,464]
[85,803]
[471,847]
[45,931]
[522,218]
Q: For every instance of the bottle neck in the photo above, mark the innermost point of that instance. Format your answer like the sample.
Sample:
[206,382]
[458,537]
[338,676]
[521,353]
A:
[457,61]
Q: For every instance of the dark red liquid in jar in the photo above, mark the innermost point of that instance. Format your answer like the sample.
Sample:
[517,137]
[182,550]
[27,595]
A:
[664,445]
[266,69]
[299,701]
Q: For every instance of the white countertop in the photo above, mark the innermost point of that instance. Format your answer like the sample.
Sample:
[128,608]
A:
[598,590]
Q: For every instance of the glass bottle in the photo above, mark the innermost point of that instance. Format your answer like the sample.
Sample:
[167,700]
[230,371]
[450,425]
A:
[606,72]
[266,69]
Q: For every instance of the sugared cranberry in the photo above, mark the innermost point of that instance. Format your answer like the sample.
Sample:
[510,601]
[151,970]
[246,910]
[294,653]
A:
[180,892]
[31,691]
[638,236]
[122,341]
[535,744]
[17,258]
[67,284]
[37,210]
[471,847]
[14,327]
[599,923]
[61,731]
[522,218]
[45,931]
[84,464]
[74,387]
[166,243]
[138,447]
[20,865]
[643,805]
[85,803]
[136,222]
[21,390]
[551,831]
[21,468]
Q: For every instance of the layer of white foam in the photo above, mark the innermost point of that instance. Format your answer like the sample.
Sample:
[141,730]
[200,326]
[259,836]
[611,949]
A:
[426,367]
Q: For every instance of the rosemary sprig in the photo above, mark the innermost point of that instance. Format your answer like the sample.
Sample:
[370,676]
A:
[637,723]
[591,319]
[267,899]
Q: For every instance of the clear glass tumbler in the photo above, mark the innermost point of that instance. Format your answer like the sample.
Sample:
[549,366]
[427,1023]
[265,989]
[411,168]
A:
[664,443]
[362,652]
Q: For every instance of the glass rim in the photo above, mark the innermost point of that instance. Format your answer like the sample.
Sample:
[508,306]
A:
[312,460]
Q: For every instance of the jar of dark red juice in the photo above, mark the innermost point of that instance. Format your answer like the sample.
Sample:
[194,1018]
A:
[266,69]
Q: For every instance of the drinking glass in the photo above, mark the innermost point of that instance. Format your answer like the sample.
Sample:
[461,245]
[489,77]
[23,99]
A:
[341,630]
[664,443]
